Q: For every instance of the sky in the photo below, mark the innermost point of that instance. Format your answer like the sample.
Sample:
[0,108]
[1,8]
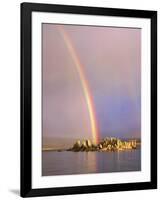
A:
[111,62]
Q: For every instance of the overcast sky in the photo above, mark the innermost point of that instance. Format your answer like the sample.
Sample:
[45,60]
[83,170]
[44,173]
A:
[112,65]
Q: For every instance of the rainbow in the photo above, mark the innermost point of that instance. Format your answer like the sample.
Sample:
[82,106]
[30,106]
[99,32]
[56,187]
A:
[84,83]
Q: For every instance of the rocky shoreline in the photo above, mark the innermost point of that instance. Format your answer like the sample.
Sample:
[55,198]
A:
[106,145]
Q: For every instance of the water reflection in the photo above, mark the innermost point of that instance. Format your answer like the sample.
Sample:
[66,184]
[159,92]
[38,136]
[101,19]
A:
[91,162]
[63,163]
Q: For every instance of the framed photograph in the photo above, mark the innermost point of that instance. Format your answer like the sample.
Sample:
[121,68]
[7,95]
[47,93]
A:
[88,99]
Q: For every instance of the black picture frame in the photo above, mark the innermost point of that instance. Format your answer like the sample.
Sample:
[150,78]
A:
[26,103]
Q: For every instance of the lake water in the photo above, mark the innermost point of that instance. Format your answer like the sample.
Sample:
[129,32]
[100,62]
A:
[66,162]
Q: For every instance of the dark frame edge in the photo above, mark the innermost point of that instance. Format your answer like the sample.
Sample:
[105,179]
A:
[154,99]
[77,9]
[25,106]
[93,189]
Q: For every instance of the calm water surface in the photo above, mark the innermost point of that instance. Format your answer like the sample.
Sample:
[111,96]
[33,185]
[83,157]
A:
[63,163]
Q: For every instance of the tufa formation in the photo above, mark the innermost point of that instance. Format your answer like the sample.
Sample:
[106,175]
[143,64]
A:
[106,145]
